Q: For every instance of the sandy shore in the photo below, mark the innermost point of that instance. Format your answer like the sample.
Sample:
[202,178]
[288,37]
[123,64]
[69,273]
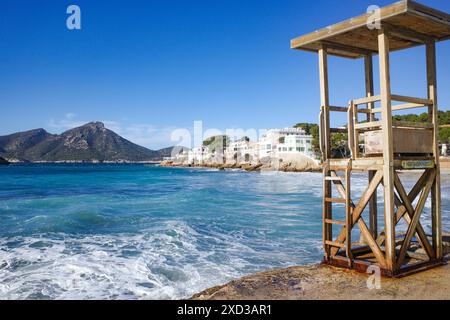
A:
[320,282]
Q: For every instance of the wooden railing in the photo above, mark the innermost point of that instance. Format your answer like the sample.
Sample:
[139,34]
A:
[354,127]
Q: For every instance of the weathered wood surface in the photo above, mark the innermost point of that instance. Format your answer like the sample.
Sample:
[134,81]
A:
[412,24]
[388,152]
[405,141]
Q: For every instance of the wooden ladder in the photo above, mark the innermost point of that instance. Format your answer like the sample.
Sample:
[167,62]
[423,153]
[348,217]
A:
[343,187]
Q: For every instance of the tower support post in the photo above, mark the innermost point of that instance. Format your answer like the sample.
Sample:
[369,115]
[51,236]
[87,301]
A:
[373,210]
[327,192]
[433,114]
[388,153]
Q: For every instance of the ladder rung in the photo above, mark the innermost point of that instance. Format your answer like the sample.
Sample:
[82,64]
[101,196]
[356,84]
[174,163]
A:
[335,200]
[332,178]
[335,244]
[330,221]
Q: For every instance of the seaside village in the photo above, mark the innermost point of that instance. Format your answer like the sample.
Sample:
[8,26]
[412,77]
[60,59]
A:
[288,149]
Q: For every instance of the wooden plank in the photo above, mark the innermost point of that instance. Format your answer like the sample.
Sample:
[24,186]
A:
[366,111]
[373,210]
[347,48]
[357,212]
[405,141]
[372,243]
[335,200]
[353,36]
[337,222]
[369,86]
[399,107]
[407,33]
[420,101]
[350,127]
[388,154]
[436,187]
[338,109]
[414,221]
[325,99]
[412,197]
[355,132]
[348,214]
[335,244]
[368,79]
[346,26]
[367,125]
[407,106]
[325,130]
[333,178]
[428,12]
[366,100]
[326,212]
[374,110]
[410,210]
[321,133]
[340,187]
[418,164]
[338,130]
[410,124]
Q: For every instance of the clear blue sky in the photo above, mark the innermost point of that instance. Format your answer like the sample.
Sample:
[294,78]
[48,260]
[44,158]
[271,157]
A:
[146,67]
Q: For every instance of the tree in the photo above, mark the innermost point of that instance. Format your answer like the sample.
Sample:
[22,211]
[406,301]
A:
[217,143]
[443,118]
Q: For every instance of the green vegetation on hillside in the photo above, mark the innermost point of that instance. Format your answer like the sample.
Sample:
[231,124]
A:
[444,119]
[217,143]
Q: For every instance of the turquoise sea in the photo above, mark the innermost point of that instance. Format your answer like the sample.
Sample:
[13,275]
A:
[146,232]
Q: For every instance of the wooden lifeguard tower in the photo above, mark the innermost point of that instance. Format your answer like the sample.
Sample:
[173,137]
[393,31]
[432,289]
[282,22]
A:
[381,146]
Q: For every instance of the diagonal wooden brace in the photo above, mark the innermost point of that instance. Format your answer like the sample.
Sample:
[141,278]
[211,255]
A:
[410,210]
[357,212]
[415,191]
[372,243]
[413,225]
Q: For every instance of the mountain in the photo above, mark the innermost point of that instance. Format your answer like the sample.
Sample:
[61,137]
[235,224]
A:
[3,161]
[91,142]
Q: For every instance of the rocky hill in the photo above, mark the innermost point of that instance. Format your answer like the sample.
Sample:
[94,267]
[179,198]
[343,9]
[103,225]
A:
[3,161]
[89,143]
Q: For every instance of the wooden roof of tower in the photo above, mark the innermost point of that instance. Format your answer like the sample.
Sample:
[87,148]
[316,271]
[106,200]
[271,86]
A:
[409,23]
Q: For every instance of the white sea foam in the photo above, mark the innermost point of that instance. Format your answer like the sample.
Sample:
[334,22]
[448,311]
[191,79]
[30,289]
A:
[164,263]
[167,262]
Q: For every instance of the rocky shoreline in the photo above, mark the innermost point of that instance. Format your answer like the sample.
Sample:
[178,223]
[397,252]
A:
[323,282]
[16,161]
[286,166]
[248,168]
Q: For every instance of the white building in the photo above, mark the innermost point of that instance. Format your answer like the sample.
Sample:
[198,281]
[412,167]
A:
[199,155]
[299,143]
[242,151]
[287,140]
[185,156]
